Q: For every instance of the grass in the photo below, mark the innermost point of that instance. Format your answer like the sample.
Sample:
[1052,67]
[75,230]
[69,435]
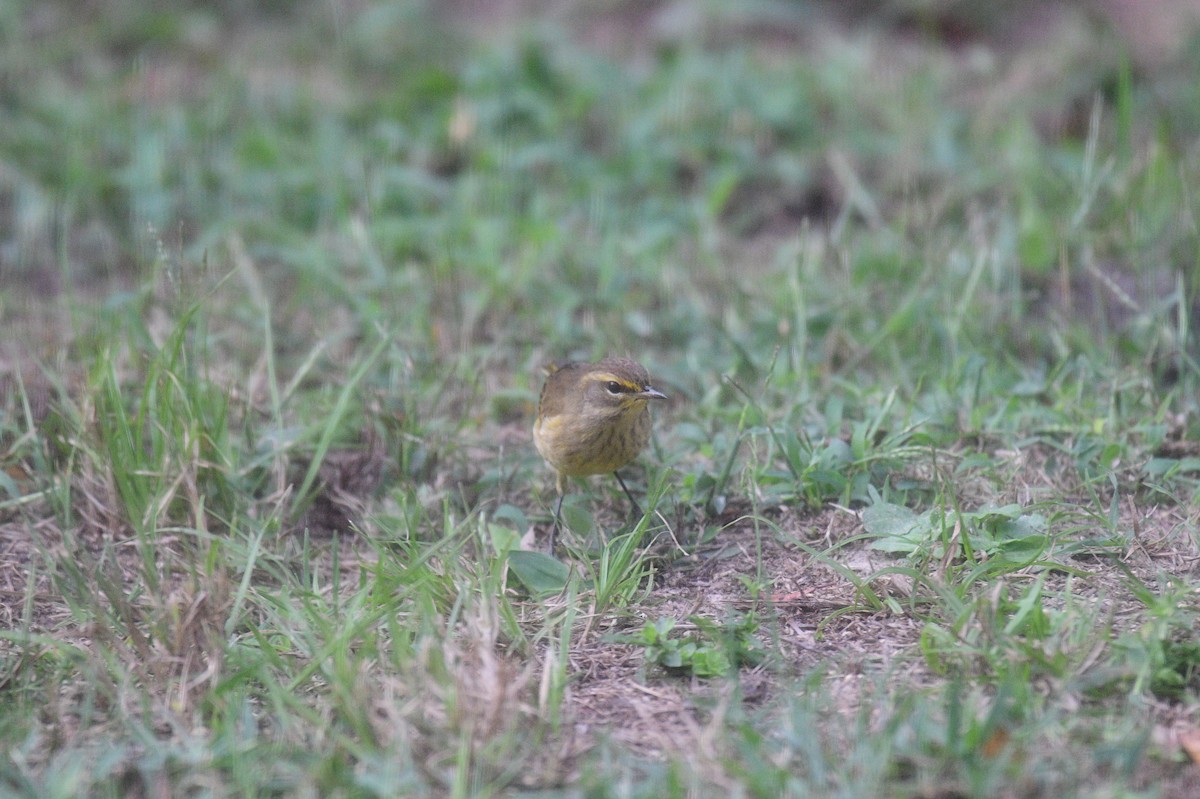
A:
[277,284]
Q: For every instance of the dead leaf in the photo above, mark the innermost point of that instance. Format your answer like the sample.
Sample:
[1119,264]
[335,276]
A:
[1190,741]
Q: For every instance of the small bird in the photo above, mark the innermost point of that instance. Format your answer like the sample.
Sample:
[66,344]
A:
[593,418]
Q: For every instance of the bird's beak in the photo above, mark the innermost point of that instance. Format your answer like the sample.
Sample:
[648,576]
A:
[651,393]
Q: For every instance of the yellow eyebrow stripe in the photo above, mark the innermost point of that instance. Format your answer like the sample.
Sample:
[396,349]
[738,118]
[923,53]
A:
[608,377]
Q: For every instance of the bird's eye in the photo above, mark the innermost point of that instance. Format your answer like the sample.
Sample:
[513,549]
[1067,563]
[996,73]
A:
[614,387]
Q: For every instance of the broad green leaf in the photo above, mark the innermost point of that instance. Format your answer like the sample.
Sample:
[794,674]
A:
[538,572]
[897,528]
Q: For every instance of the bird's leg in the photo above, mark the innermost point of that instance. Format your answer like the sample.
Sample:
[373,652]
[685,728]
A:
[560,483]
[557,517]
[637,509]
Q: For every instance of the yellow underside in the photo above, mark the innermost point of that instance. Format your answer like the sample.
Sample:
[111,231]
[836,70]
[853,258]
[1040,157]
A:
[577,447]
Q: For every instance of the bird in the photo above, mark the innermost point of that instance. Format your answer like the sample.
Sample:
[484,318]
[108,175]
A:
[593,418]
